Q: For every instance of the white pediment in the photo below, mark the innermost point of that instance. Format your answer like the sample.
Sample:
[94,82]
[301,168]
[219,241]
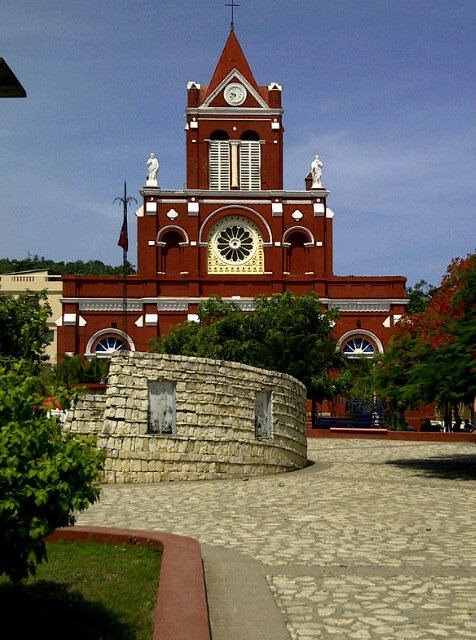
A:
[236,76]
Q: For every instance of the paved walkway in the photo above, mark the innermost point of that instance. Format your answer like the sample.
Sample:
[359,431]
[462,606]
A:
[376,540]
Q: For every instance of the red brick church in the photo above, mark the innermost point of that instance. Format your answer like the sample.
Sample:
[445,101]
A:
[233,232]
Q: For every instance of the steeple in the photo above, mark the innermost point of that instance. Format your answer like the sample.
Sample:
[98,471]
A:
[232,57]
[234,128]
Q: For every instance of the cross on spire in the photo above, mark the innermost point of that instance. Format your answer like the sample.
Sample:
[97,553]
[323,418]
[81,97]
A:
[232,4]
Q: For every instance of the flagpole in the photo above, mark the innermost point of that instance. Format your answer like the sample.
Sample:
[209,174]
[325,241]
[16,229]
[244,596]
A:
[124,243]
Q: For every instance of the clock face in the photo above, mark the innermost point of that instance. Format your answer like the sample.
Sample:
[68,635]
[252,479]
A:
[235,94]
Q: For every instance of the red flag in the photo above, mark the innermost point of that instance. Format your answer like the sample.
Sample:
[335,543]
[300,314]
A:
[123,238]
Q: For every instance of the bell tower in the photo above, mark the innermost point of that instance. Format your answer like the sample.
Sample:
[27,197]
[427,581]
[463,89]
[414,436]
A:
[234,128]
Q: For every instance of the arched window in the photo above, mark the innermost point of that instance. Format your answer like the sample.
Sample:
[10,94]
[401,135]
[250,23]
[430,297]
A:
[249,135]
[172,253]
[234,164]
[108,345]
[219,134]
[297,258]
[360,344]
[108,341]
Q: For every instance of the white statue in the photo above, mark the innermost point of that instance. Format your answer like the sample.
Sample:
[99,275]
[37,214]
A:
[316,171]
[152,170]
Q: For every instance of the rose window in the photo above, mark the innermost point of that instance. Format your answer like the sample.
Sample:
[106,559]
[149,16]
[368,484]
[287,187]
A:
[235,244]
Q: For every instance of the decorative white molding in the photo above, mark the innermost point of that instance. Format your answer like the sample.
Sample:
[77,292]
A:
[245,305]
[297,215]
[318,208]
[294,196]
[387,323]
[69,320]
[151,207]
[140,212]
[172,214]
[151,319]
[193,208]
[151,243]
[109,304]
[234,201]
[319,243]
[329,213]
[193,124]
[275,126]
[365,306]
[192,85]
[235,207]
[277,208]
[232,111]
[193,317]
[193,243]
[274,86]
[298,228]
[173,227]
[172,304]
[277,244]
[139,322]
[236,76]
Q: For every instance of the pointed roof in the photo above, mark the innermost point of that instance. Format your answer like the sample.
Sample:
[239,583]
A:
[232,57]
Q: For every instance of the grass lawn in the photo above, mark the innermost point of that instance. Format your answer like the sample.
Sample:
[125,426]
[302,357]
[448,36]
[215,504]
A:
[85,590]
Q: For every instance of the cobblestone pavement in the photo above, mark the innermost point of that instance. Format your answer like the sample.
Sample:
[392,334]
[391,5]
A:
[375,540]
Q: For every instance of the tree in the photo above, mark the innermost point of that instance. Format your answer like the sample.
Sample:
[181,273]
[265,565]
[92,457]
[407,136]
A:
[432,356]
[78,267]
[45,475]
[419,296]
[285,333]
[23,326]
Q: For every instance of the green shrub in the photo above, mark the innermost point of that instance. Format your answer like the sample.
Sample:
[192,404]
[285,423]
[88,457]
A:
[76,369]
[45,475]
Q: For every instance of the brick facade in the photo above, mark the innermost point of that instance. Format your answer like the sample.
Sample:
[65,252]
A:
[187,249]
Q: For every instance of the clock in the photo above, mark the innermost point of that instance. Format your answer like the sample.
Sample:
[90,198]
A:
[235,94]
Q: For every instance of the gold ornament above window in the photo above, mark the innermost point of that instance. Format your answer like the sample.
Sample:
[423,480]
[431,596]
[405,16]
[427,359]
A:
[235,245]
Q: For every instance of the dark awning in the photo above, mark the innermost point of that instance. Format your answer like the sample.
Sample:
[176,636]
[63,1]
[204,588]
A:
[10,86]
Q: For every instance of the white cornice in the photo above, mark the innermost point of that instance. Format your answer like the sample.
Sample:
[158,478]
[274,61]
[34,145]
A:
[172,196]
[363,305]
[229,111]
[181,303]
[104,304]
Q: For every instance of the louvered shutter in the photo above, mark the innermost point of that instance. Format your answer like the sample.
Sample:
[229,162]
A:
[250,165]
[219,165]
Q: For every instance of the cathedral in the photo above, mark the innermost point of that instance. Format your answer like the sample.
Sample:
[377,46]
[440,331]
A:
[233,231]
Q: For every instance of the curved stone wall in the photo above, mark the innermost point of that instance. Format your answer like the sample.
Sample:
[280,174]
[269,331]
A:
[227,419]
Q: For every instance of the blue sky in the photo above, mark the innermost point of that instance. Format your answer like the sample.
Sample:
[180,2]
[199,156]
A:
[382,90]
